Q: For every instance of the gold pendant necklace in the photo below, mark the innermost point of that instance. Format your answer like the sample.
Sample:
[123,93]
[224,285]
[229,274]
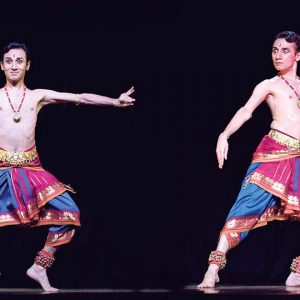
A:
[17,115]
[293,89]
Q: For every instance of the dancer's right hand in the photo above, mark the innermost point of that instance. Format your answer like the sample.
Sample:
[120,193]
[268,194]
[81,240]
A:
[222,149]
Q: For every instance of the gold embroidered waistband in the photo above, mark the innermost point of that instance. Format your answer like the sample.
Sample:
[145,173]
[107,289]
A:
[18,158]
[284,139]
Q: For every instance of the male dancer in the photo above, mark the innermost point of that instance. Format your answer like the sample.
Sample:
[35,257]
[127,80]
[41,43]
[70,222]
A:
[270,190]
[29,195]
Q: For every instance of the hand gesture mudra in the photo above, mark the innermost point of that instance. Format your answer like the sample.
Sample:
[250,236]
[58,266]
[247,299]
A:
[125,100]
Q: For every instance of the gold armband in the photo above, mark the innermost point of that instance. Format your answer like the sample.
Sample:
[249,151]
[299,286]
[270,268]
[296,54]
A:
[78,100]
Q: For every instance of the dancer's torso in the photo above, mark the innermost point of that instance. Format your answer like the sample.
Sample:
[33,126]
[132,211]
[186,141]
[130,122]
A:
[283,105]
[18,136]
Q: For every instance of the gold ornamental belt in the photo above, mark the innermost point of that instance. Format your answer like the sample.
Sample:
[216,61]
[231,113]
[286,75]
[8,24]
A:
[18,158]
[284,139]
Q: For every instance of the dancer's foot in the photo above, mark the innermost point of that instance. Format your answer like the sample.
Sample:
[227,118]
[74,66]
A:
[211,277]
[39,274]
[293,279]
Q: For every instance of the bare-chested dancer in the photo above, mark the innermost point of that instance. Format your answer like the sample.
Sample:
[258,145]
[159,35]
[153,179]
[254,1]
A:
[29,194]
[270,190]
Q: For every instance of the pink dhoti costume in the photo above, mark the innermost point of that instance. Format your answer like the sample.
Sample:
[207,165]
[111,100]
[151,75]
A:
[270,189]
[31,196]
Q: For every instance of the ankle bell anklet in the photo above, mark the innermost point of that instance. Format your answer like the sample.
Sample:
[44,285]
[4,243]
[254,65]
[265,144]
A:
[295,266]
[44,259]
[218,258]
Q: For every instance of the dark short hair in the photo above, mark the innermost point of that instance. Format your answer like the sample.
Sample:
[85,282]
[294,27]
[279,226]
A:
[15,45]
[290,37]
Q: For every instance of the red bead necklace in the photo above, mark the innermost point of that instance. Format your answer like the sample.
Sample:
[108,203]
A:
[17,115]
[293,89]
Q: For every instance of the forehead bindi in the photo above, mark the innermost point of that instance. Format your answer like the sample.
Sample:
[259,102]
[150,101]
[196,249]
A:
[15,54]
[283,44]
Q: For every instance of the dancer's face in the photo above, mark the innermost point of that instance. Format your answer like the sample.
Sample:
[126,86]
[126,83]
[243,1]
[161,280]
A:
[284,54]
[15,65]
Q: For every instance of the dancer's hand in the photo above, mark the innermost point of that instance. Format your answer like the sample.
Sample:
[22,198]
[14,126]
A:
[125,100]
[222,149]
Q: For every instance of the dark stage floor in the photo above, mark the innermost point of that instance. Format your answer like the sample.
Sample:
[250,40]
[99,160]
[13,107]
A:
[189,292]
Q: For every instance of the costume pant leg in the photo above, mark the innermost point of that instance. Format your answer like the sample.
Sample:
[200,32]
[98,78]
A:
[253,207]
[61,234]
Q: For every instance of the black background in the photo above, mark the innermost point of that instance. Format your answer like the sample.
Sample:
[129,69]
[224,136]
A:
[151,196]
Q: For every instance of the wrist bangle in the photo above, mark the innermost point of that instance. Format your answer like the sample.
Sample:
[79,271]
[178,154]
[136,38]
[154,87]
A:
[116,102]
[223,133]
[78,100]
